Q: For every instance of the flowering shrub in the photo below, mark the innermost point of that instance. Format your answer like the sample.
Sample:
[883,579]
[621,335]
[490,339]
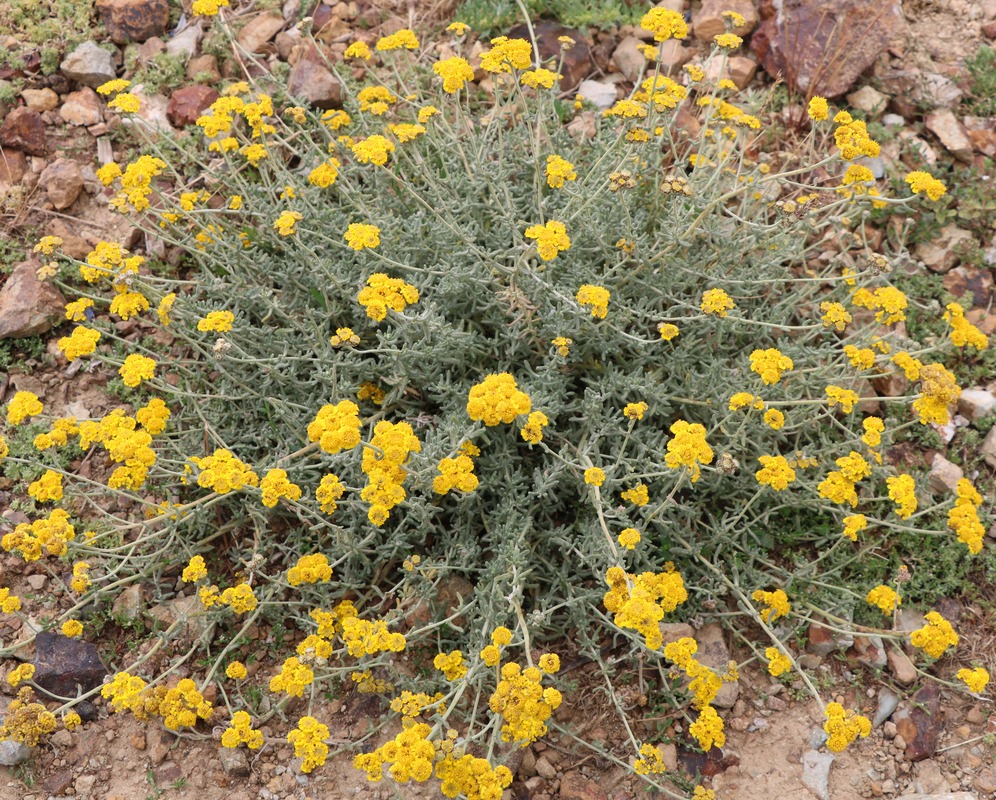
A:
[438,339]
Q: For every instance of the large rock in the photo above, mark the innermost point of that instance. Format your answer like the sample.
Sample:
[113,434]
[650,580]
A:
[708,21]
[89,64]
[28,306]
[189,103]
[40,100]
[944,475]
[947,127]
[988,447]
[629,59]
[311,81]
[134,20]
[23,129]
[63,181]
[13,165]
[82,108]
[13,753]
[919,723]
[259,30]
[943,252]
[714,653]
[63,665]
[822,46]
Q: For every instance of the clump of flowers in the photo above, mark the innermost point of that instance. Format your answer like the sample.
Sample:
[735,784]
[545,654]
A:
[935,637]
[843,727]
[640,601]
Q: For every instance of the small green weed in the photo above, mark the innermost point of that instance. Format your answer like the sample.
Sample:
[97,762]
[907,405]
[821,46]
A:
[981,67]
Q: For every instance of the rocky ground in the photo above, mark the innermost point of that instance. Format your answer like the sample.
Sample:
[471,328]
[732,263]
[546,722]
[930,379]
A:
[901,64]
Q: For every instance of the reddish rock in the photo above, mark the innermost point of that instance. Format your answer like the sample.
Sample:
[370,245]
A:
[948,128]
[971,285]
[134,20]
[822,46]
[27,305]
[674,55]
[259,30]
[23,129]
[189,103]
[576,61]
[313,82]
[919,723]
[63,181]
[13,165]
[574,786]
[40,100]
[942,253]
[82,108]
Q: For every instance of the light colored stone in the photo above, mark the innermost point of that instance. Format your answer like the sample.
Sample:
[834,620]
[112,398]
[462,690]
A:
[920,148]
[941,254]
[942,796]
[37,582]
[28,306]
[40,99]
[600,94]
[976,403]
[185,43]
[708,22]
[63,182]
[944,475]
[739,69]
[935,91]
[816,772]
[259,30]
[948,128]
[901,667]
[988,447]
[152,111]
[869,100]
[628,58]
[89,64]
[715,654]
[82,108]
[13,753]
[128,605]
[234,762]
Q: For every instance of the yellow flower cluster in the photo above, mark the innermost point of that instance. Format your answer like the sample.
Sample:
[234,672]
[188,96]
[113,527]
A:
[81,577]
[195,570]
[559,170]
[688,448]
[72,628]
[770,364]
[778,662]
[383,292]
[935,637]
[550,239]
[48,488]
[410,755]
[664,93]
[108,259]
[26,722]
[241,598]
[664,23]
[329,490]
[532,431]
[650,762]
[325,174]
[705,684]
[222,472]
[963,518]
[137,368]
[240,731]
[853,524]
[975,679]
[507,54]
[523,703]
[373,150]
[153,416]
[843,727]
[363,637]
[457,473]
[183,705]
[403,39]
[775,472]
[455,72]
[640,601]
[81,342]
[840,486]
[22,406]
[62,430]
[293,678]
[852,138]
[835,315]
[136,184]
[845,398]
[308,739]
[20,673]
[818,109]
[638,495]
[860,357]
[473,777]
[902,491]
[885,598]
[9,603]
[310,569]
[888,303]
[708,729]
[540,78]
[594,476]
[629,538]
[451,665]
[217,321]
[275,485]
[359,235]
[595,297]
[938,390]
[921,181]
[740,400]
[716,301]
[383,463]
[336,427]
[963,332]
[50,534]
[497,399]
[776,602]
[284,224]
